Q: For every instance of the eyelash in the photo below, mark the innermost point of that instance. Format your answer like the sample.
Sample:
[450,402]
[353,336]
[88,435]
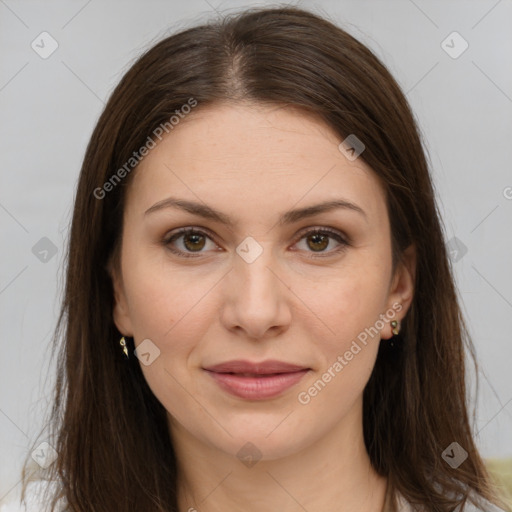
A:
[322,231]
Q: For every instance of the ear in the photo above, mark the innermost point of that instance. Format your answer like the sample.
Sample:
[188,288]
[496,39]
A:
[120,311]
[401,292]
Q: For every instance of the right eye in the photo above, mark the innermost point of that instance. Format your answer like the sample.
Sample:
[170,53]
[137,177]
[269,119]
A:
[192,242]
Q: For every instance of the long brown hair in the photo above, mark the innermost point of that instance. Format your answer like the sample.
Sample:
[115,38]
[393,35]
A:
[109,430]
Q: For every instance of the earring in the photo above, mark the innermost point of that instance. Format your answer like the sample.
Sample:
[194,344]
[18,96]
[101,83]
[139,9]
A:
[122,342]
[396,328]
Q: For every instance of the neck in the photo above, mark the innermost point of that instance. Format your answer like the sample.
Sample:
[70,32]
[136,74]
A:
[334,473]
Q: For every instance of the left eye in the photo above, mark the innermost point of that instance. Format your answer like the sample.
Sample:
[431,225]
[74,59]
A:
[319,239]
[194,241]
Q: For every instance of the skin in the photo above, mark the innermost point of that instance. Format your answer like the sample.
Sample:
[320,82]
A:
[300,301]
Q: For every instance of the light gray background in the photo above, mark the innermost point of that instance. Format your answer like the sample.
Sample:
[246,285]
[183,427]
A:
[48,108]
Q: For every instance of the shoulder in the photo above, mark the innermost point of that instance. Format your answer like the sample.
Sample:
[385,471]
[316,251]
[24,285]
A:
[482,505]
[34,498]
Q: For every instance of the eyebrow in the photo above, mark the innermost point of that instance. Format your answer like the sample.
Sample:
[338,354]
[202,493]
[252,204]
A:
[289,217]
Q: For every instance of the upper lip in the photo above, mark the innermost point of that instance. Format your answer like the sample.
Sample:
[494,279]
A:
[264,367]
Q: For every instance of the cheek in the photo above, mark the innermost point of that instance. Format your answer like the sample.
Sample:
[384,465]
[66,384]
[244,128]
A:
[348,305]
[348,345]
[162,302]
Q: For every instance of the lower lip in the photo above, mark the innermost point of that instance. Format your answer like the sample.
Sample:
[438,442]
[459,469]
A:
[257,388]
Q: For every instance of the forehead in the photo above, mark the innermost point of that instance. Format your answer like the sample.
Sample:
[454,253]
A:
[245,155]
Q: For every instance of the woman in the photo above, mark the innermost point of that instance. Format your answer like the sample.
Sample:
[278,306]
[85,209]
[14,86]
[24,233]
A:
[259,311]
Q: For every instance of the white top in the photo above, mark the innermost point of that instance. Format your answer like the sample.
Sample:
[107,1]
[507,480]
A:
[34,499]
[34,502]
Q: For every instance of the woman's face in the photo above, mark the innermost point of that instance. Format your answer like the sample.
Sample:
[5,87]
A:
[263,287]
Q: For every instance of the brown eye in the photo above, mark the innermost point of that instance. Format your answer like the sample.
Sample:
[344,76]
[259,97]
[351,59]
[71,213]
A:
[319,241]
[189,242]
[194,242]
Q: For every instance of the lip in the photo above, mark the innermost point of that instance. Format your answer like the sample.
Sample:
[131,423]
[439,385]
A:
[261,368]
[256,381]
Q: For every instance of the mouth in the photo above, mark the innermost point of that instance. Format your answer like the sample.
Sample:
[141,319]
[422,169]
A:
[256,381]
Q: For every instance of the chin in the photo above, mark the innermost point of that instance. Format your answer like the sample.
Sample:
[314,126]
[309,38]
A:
[265,439]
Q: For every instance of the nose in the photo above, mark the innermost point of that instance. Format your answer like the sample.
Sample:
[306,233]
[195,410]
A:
[256,299]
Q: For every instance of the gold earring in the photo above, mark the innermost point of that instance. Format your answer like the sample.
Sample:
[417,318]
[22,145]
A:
[394,325]
[122,342]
